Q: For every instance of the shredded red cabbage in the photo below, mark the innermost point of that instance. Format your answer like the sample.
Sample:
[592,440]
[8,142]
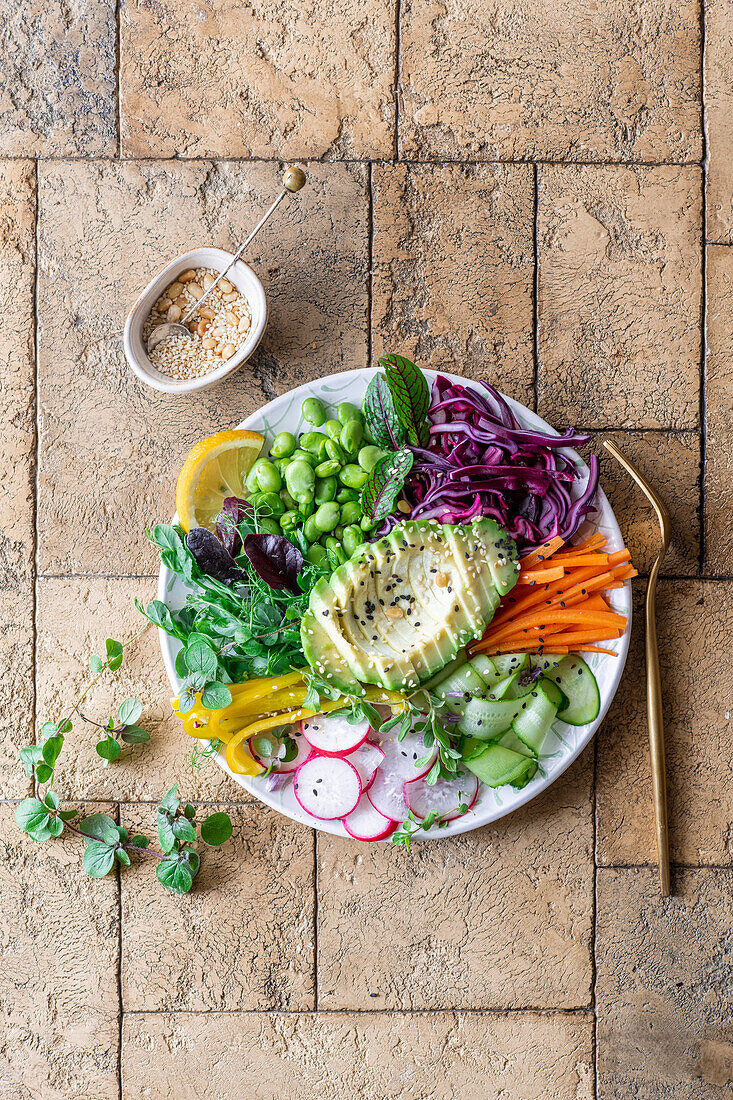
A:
[480,462]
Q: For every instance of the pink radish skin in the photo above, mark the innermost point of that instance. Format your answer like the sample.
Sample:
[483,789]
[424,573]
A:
[327,787]
[442,797]
[366,823]
[367,760]
[334,736]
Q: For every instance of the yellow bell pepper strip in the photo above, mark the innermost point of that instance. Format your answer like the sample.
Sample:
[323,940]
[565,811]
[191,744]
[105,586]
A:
[235,746]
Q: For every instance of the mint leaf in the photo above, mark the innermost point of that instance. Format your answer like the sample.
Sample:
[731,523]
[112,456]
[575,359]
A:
[100,827]
[99,859]
[215,696]
[411,396]
[109,748]
[113,649]
[216,829]
[129,712]
[135,735]
[381,416]
[384,485]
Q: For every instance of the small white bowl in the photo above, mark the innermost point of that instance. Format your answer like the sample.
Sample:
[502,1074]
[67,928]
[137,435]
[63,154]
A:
[242,277]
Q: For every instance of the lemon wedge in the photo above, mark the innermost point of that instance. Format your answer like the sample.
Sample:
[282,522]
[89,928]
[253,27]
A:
[214,469]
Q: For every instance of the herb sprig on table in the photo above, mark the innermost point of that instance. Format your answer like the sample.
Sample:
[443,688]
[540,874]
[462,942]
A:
[107,843]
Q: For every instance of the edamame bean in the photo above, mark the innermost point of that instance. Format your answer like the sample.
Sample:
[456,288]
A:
[350,512]
[311,530]
[287,500]
[289,520]
[283,445]
[333,428]
[306,508]
[352,538]
[300,479]
[335,451]
[268,476]
[369,457]
[327,516]
[336,555]
[352,435]
[327,468]
[304,456]
[269,526]
[271,504]
[317,554]
[351,475]
[326,489]
[313,442]
[251,481]
[313,411]
[347,411]
[344,495]
[366,523]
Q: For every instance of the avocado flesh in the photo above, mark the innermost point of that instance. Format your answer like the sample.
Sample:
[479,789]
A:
[353,589]
[401,570]
[500,551]
[324,658]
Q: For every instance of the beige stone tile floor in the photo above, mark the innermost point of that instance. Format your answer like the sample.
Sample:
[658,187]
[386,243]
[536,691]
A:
[536,194]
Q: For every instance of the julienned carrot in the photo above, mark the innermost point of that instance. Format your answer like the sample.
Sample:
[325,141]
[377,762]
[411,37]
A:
[542,553]
[541,576]
[574,615]
[619,557]
[582,561]
[581,586]
[554,650]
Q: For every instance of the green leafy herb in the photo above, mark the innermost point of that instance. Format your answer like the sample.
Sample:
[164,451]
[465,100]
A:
[381,416]
[412,824]
[384,485]
[411,396]
[216,829]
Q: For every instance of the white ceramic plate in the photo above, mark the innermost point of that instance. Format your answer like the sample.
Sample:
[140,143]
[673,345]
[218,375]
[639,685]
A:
[564,743]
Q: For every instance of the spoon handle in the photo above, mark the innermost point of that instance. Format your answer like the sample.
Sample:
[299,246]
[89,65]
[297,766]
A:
[293,180]
[656,731]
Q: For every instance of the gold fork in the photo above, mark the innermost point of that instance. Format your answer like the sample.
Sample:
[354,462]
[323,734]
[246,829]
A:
[653,680]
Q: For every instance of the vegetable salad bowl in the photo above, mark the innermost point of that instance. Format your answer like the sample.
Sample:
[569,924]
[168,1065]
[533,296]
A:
[564,742]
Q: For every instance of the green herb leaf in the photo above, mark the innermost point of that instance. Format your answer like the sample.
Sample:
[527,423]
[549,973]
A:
[177,873]
[65,726]
[48,729]
[68,815]
[135,735]
[55,826]
[113,649]
[139,841]
[52,800]
[186,701]
[122,857]
[411,396]
[31,816]
[189,811]
[96,664]
[384,484]
[166,836]
[129,712]
[30,755]
[44,772]
[51,749]
[201,658]
[183,830]
[100,827]
[215,695]
[381,416]
[312,700]
[99,859]
[170,801]
[160,615]
[109,748]
[216,829]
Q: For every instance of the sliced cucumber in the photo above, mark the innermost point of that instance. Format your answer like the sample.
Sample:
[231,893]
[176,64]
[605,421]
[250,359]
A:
[486,669]
[498,765]
[506,664]
[553,693]
[578,684]
[533,722]
[487,718]
[464,681]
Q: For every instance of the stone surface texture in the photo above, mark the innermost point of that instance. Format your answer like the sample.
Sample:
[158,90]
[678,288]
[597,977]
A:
[301,79]
[538,195]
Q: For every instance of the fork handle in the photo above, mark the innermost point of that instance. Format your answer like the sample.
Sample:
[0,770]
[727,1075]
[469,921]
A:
[656,732]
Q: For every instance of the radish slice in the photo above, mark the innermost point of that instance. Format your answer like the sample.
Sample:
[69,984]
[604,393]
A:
[327,787]
[386,794]
[334,736]
[366,760]
[304,751]
[366,823]
[443,797]
[401,757]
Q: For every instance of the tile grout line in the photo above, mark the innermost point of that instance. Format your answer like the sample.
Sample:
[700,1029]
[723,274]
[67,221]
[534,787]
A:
[594,923]
[702,413]
[397,66]
[315,920]
[370,263]
[535,293]
[35,461]
[579,1010]
[306,159]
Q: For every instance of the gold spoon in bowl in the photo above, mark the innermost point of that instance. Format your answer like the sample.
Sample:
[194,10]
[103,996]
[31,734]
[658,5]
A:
[653,679]
[293,180]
